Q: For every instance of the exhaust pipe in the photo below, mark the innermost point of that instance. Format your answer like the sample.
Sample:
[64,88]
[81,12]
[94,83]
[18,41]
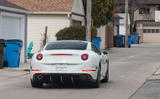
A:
[83,77]
[39,77]
[88,77]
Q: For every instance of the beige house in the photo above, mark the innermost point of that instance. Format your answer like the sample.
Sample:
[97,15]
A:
[55,14]
[149,31]
[148,21]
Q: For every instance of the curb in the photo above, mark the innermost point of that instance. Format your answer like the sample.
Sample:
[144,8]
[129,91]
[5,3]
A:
[18,69]
[154,77]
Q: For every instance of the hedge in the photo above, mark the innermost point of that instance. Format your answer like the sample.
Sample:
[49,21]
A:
[75,33]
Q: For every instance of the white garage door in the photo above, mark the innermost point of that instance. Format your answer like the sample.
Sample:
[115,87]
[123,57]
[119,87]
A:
[13,28]
[151,37]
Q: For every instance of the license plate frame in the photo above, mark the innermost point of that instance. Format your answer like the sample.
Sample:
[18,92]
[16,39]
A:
[61,68]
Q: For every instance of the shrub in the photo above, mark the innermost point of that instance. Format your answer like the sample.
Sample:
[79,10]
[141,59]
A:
[75,33]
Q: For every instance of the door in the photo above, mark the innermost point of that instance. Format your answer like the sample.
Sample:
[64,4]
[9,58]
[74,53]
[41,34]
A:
[151,37]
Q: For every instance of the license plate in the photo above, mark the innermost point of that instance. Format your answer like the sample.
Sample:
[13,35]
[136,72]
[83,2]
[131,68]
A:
[61,68]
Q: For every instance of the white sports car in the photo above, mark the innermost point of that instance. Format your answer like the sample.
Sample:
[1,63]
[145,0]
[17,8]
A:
[69,62]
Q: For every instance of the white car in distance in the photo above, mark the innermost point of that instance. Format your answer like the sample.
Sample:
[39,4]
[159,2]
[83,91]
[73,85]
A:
[69,62]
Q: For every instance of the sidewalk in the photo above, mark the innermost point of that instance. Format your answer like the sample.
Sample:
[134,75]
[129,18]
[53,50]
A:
[150,89]
[22,67]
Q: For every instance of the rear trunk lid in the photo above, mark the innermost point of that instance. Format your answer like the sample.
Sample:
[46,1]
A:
[69,57]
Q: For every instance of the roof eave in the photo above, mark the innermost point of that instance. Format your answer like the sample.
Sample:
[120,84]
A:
[15,10]
[51,13]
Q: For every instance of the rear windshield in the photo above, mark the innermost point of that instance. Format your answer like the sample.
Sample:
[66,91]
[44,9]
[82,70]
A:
[66,45]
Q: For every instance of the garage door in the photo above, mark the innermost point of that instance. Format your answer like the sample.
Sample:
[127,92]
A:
[13,28]
[151,37]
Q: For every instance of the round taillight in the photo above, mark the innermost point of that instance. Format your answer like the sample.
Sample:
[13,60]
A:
[84,57]
[39,57]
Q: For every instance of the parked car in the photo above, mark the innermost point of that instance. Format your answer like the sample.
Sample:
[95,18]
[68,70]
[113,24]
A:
[74,61]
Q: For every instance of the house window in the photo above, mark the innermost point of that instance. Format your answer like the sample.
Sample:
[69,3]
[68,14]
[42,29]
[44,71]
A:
[144,30]
[153,30]
[149,30]
[157,30]
[144,10]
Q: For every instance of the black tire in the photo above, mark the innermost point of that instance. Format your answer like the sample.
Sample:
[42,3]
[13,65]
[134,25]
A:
[98,81]
[36,84]
[106,78]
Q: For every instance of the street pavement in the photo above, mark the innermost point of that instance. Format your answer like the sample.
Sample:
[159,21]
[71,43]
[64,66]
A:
[129,69]
[150,89]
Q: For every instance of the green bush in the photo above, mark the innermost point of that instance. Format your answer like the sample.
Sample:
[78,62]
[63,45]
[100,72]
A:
[74,33]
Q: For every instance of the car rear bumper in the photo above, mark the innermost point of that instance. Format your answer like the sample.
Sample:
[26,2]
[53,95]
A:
[62,78]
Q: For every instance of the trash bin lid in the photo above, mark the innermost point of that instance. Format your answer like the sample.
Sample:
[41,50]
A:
[97,38]
[14,40]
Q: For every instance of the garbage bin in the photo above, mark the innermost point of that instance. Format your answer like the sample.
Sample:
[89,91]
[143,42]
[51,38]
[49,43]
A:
[135,39]
[2,52]
[96,41]
[117,41]
[13,51]
[123,39]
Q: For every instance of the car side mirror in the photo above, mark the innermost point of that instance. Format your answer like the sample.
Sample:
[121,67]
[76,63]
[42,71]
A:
[105,52]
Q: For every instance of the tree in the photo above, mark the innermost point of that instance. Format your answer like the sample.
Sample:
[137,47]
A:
[102,11]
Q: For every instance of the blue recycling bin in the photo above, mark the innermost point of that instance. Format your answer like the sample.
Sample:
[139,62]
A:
[96,41]
[135,38]
[13,52]
[122,43]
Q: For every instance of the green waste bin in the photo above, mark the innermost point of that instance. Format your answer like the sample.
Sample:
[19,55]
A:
[2,52]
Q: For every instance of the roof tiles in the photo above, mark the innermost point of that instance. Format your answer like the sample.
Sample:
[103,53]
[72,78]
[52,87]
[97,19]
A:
[45,5]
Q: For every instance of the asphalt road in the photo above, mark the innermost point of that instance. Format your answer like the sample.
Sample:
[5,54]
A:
[128,70]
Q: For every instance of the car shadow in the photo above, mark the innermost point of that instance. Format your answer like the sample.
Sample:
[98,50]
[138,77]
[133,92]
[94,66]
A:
[67,86]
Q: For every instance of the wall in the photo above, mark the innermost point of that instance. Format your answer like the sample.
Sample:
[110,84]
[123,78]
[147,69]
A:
[78,12]
[37,24]
[78,7]
[101,33]
[157,16]
[149,32]
[150,16]
[122,23]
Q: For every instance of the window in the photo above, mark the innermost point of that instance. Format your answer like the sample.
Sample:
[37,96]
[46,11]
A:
[149,30]
[144,10]
[95,50]
[66,45]
[144,30]
[153,30]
